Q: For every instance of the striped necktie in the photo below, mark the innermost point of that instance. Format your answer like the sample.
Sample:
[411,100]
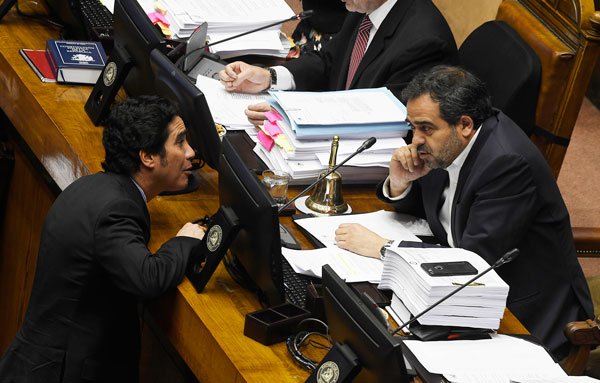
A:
[360,46]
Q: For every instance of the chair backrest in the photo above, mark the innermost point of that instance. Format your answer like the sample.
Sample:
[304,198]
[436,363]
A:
[496,54]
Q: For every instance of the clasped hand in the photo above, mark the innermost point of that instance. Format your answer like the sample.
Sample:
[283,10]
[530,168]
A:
[241,77]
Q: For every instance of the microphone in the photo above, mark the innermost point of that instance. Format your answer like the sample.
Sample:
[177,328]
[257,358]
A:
[300,16]
[509,256]
[365,145]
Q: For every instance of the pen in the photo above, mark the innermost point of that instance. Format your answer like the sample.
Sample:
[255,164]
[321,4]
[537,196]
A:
[470,284]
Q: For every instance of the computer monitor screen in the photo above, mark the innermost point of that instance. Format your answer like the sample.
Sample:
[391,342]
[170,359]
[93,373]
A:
[172,84]
[352,323]
[256,251]
[136,36]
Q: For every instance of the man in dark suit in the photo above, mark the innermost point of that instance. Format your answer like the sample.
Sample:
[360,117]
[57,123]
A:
[94,265]
[483,186]
[403,38]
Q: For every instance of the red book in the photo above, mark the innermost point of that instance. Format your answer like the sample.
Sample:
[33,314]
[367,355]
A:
[38,61]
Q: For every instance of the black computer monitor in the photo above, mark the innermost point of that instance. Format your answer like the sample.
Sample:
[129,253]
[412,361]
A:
[130,65]
[136,36]
[255,254]
[172,84]
[353,324]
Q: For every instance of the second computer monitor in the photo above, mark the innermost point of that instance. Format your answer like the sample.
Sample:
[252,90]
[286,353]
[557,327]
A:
[256,251]
[353,324]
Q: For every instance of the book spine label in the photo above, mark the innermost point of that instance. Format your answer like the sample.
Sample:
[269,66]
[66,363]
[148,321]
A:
[52,54]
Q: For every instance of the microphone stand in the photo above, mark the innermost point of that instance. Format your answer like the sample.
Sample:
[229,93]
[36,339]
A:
[365,145]
[300,16]
[507,257]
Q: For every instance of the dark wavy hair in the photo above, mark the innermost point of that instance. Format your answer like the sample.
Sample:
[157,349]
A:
[457,91]
[139,123]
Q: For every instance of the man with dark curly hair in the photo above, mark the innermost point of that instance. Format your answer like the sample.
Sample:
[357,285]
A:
[94,264]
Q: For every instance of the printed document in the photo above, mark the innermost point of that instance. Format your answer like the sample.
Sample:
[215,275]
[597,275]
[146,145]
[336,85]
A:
[349,266]
[227,108]
[357,106]
[499,359]
[387,224]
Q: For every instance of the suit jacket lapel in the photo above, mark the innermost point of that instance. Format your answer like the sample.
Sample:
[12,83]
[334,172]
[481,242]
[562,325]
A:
[465,171]
[386,30]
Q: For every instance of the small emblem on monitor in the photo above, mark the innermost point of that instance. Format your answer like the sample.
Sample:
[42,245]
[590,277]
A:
[329,372]
[110,73]
[215,234]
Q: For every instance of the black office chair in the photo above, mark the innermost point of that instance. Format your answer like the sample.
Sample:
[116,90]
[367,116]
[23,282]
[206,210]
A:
[496,54]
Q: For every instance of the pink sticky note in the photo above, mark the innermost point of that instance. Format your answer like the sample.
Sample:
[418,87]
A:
[272,128]
[156,17]
[273,116]
[265,140]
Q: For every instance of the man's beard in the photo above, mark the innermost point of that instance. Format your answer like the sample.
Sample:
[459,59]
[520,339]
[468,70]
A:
[447,155]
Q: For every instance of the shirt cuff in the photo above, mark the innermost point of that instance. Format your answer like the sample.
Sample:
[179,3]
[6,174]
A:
[386,191]
[285,79]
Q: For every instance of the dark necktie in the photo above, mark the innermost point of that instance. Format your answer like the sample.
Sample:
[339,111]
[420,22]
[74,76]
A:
[360,46]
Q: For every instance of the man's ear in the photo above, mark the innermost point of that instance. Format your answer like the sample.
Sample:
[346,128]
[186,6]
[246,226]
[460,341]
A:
[466,126]
[148,160]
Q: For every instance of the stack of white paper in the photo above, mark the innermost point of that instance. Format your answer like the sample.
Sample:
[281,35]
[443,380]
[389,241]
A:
[501,359]
[309,158]
[311,119]
[232,17]
[480,305]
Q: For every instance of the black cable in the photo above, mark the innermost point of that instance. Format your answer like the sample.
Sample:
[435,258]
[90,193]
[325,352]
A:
[296,342]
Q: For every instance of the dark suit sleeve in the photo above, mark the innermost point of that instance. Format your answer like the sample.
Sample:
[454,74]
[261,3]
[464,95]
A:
[411,204]
[121,250]
[503,209]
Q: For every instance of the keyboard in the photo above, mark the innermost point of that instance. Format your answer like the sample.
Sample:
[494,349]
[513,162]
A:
[97,19]
[294,284]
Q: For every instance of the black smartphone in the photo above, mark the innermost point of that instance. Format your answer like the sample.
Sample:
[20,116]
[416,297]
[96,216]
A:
[445,269]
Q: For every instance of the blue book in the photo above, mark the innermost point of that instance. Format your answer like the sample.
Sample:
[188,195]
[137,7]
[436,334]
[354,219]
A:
[77,62]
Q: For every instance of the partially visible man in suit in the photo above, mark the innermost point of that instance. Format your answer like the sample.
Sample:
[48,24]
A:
[94,265]
[381,43]
[483,186]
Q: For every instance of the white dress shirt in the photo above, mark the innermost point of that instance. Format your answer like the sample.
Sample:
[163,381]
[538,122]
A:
[285,79]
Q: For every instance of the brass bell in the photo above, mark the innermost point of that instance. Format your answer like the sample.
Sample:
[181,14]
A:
[327,198]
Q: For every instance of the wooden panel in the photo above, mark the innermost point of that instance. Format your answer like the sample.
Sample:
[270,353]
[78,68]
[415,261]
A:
[563,36]
[28,201]
[464,16]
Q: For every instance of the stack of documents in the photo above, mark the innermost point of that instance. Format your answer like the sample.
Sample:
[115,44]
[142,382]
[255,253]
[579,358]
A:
[309,120]
[227,18]
[355,115]
[480,305]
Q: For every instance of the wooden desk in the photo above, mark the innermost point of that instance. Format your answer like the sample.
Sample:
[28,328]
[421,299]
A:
[206,329]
